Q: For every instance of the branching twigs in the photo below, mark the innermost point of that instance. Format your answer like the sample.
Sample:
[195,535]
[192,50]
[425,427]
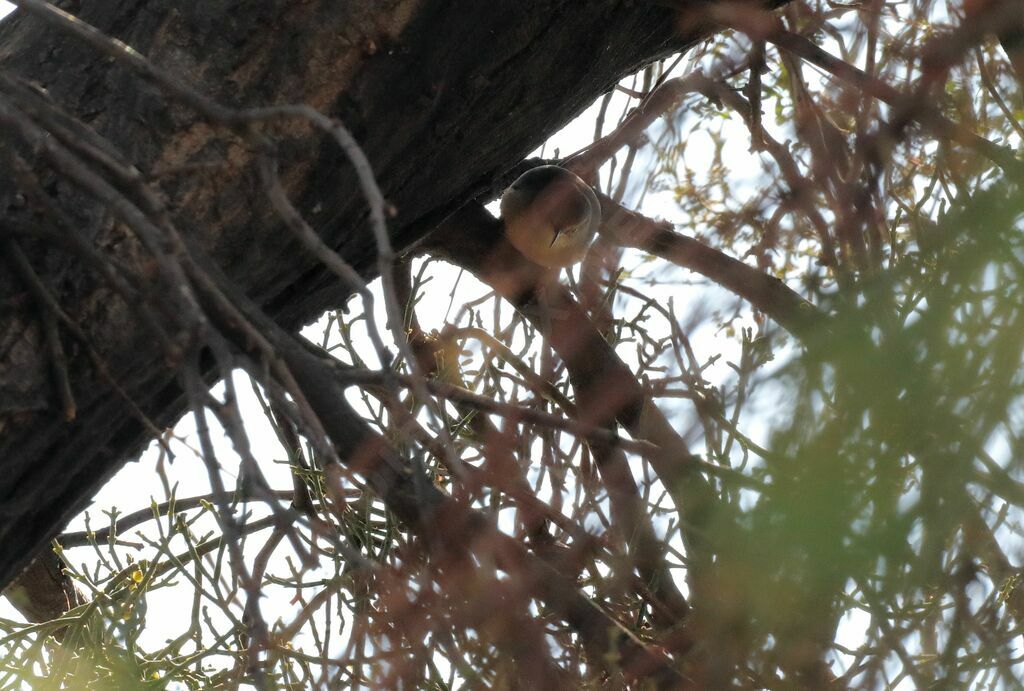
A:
[661,101]
[349,276]
[799,185]
[656,104]
[442,563]
[669,605]
[764,292]
[232,530]
[666,97]
[408,493]
[136,518]
[148,218]
[605,388]
[240,120]
[178,271]
[592,433]
[630,513]
[543,387]
[910,105]
[418,503]
[762,26]
[302,500]
[152,571]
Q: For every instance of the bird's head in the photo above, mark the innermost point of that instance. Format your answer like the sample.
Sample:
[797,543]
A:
[550,216]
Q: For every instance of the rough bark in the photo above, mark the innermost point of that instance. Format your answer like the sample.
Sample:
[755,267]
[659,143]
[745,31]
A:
[444,96]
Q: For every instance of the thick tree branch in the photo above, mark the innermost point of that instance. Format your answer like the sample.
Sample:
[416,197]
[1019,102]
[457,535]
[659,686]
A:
[424,116]
[605,389]
[419,504]
[765,293]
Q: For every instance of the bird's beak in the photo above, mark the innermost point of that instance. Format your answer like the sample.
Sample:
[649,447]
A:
[557,232]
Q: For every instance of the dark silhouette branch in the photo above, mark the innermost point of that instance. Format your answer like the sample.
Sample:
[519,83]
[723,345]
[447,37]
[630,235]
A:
[764,292]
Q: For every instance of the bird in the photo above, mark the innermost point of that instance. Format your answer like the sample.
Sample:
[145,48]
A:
[550,215]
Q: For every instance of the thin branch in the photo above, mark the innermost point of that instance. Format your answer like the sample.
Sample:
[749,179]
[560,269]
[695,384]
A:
[765,293]
[910,105]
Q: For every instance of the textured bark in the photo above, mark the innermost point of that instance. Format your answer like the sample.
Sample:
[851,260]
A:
[444,96]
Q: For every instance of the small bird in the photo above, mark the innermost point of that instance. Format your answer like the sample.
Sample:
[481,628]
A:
[550,216]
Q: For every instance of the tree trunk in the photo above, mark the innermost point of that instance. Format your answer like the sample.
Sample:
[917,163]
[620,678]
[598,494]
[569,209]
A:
[444,96]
